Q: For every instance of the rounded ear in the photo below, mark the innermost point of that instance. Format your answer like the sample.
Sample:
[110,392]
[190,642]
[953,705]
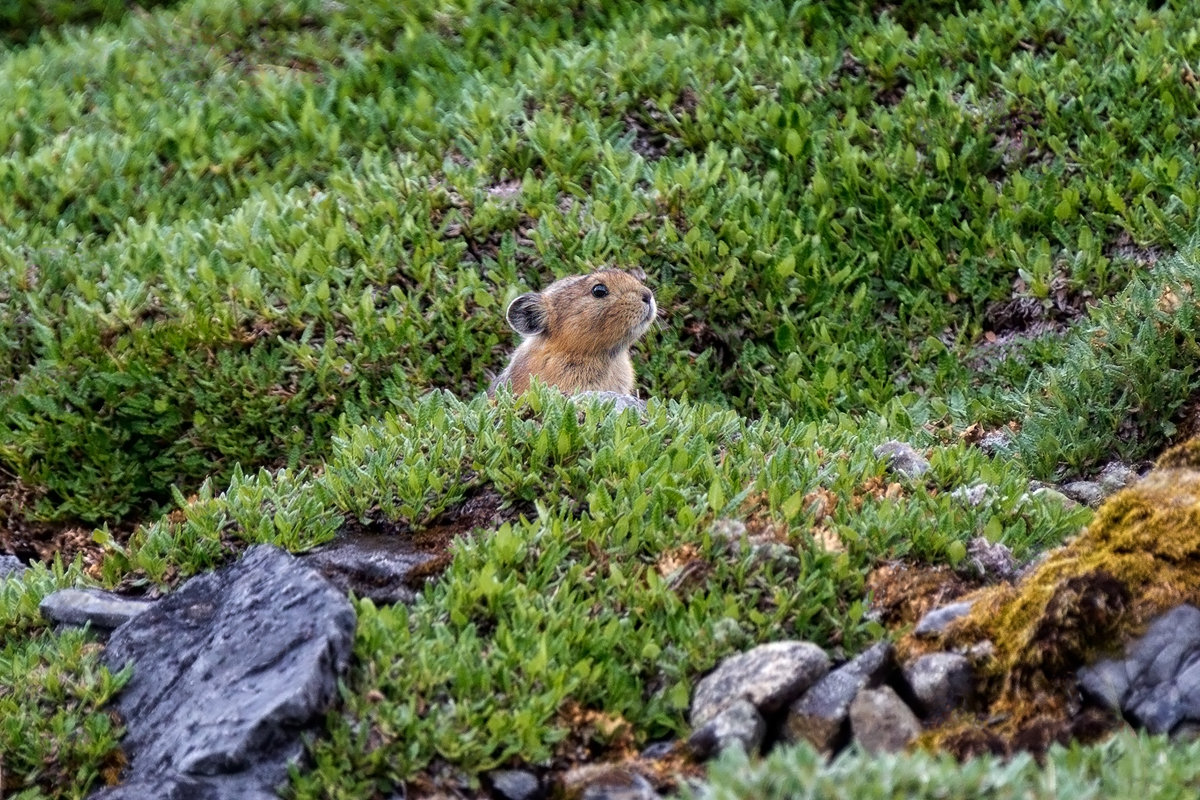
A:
[527,314]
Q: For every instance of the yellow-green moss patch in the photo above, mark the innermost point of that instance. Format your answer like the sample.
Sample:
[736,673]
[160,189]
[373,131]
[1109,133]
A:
[1139,557]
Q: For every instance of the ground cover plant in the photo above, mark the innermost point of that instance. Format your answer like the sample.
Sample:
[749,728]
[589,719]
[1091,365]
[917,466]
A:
[254,258]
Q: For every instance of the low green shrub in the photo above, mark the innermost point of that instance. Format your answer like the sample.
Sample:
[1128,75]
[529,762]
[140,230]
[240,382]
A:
[1127,766]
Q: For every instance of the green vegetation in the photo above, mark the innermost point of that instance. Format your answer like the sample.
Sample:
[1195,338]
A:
[253,262]
[214,245]
[1127,766]
[56,738]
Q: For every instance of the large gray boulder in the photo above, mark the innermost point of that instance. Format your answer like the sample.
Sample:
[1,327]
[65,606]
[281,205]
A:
[228,672]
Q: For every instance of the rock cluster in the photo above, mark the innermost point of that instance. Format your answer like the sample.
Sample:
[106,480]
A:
[1157,684]
[788,691]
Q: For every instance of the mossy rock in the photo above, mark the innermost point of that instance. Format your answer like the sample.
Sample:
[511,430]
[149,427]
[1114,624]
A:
[1139,557]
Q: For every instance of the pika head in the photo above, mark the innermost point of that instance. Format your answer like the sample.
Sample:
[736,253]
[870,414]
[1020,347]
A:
[578,332]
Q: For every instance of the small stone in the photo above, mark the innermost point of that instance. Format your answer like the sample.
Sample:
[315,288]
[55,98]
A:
[739,725]
[606,782]
[770,676]
[1089,493]
[515,784]
[881,722]
[936,621]
[619,401]
[1106,681]
[996,443]
[103,610]
[1116,476]
[776,554]
[973,496]
[821,715]
[11,567]
[940,682]
[902,459]
[659,750]
[991,560]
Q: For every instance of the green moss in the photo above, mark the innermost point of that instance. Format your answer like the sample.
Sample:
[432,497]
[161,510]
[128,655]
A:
[1139,557]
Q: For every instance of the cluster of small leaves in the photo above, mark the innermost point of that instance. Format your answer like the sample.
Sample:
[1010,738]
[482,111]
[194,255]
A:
[23,20]
[214,245]
[57,739]
[1127,766]
[1123,376]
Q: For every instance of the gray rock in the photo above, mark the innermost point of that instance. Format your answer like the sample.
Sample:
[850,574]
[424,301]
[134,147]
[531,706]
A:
[991,560]
[229,671]
[1157,684]
[11,567]
[103,610]
[903,460]
[940,682]
[381,567]
[770,676]
[776,554]
[607,782]
[739,725]
[180,787]
[1116,476]
[821,715]
[881,722]
[936,621]
[619,401]
[1089,493]
[731,531]
[1106,681]
[658,750]
[515,784]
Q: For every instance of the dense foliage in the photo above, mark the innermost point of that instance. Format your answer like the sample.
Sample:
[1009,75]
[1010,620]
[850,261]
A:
[253,261]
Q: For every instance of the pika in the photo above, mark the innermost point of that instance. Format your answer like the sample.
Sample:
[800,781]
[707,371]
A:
[578,332]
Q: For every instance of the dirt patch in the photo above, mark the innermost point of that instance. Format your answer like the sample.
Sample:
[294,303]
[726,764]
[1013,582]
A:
[42,541]
[1010,324]
[1125,249]
[901,593]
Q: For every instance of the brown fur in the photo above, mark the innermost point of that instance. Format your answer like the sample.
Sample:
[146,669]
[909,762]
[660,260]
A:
[576,341]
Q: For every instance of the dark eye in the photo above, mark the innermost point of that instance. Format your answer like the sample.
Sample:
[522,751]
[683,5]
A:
[599,290]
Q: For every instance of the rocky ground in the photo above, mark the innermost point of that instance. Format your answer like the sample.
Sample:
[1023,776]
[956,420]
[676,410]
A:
[233,668]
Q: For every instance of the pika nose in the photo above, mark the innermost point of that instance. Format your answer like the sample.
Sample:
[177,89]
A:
[647,297]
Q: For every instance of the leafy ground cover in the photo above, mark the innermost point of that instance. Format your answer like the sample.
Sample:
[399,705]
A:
[253,262]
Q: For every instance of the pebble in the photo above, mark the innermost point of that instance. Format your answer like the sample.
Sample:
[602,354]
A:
[903,459]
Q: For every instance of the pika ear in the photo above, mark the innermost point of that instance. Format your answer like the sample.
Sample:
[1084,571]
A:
[527,314]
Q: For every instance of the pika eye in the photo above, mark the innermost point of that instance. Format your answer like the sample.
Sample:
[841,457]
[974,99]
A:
[599,290]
